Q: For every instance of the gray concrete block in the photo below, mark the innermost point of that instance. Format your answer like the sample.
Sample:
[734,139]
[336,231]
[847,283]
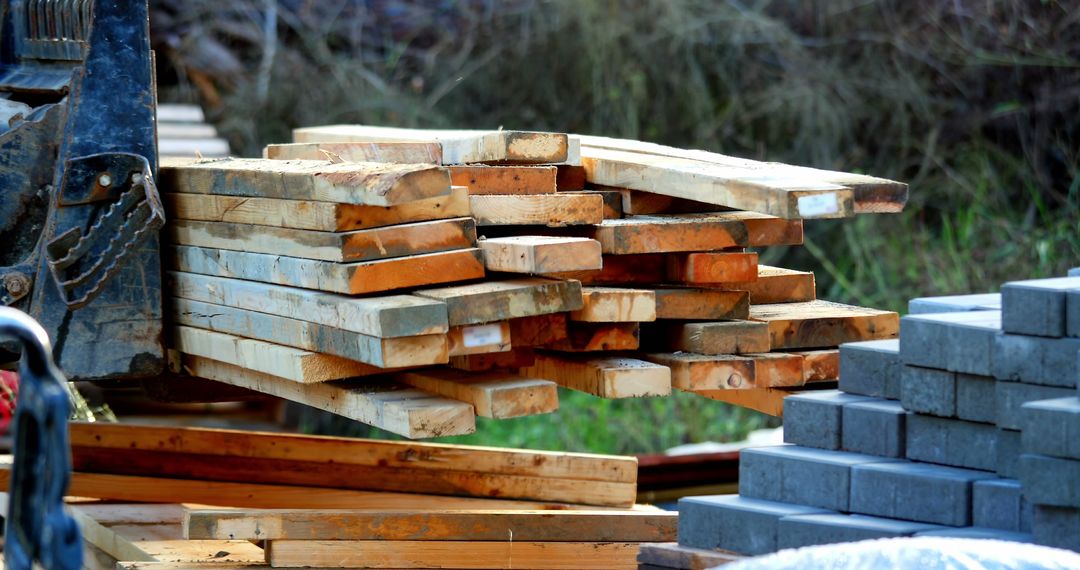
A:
[914,491]
[799,475]
[814,419]
[1036,307]
[976,399]
[1072,313]
[1058,527]
[1008,453]
[928,391]
[1036,360]
[958,342]
[808,530]
[1051,427]
[955,303]
[877,427]
[1000,504]
[1074,272]
[1011,397]
[979,533]
[735,523]
[952,442]
[871,368]
[1050,480]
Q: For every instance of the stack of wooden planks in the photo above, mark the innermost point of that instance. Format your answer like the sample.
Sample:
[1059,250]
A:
[182,130]
[413,279]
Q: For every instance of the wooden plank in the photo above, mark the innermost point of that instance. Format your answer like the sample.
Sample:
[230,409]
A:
[371,183]
[363,277]
[716,337]
[507,299]
[598,337]
[539,330]
[382,352]
[654,235]
[407,412]
[636,202]
[479,339]
[613,208]
[359,245]
[708,268]
[477,525]
[671,555]
[482,179]
[179,113]
[606,377]
[770,192]
[820,365]
[615,305]
[776,285]
[513,358]
[458,147]
[644,269]
[701,304]
[311,215]
[396,152]
[552,210]
[541,254]
[389,316]
[694,372]
[768,401]
[570,178]
[452,554]
[492,394]
[761,230]
[281,361]
[822,324]
[870,194]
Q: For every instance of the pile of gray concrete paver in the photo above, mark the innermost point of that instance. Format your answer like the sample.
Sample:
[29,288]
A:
[968,425]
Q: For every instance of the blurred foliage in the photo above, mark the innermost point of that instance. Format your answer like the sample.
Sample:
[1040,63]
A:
[975,103]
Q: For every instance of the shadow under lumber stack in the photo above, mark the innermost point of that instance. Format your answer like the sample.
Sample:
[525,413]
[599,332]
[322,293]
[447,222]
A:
[344,271]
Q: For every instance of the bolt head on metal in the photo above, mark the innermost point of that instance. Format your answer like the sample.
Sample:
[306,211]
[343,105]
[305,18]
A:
[17,284]
[104,180]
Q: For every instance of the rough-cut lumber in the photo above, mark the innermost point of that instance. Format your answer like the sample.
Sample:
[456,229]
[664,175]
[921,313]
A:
[508,299]
[311,215]
[390,316]
[716,337]
[708,268]
[770,192]
[396,152]
[408,412]
[615,305]
[359,245]
[820,365]
[485,338]
[598,337]
[765,400]
[570,178]
[513,358]
[273,359]
[482,179]
[357,278]
[539,330]
[644,269]
[671,555]
[541,254]
[612,203]
[483,525]
[458,147]
[695,372]
[656,234]
[552,210]
[761,229]
[701,304]
[382,352]
[492,394]
[776,285]
[371,183]
[822,324]
[636,203]
[607,377]
[452,554]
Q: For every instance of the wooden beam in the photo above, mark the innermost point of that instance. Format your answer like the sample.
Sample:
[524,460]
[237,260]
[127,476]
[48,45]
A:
[776,285]
[637,202]
[671,555]
[311,215]
[615,305]
[507,299]
[654,235]
[718,337]
[761,230]
[695,372]
[357,278]
[570,178]
[552,210]
[598,337]
[520,180]
[820,365]
[541,254]
[606,377]
[644,269]
[475,525]
[821,324]
[513,358]
[396,152]
[708,268]
[613,209]
[492,394]
[768,401]
[701,304]
[371,183]
[479,339]
[539,330]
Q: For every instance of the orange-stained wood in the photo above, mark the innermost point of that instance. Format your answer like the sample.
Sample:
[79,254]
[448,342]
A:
[695,372]
[708,268]
[504,179]
[701,304]
[776,285]
[593,337]
[822,324]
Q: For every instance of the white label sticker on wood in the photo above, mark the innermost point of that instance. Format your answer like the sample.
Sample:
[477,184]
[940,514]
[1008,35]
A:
[818,205]
[481,335]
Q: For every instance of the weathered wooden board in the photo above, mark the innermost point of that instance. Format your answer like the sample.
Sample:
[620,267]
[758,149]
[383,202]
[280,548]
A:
[514,358]
[570,178]
[701,304]
[552,210]
[822,324]
[820,365]
[458,147]
[389,316]
[483,179]
[695,372]
[479,339]
[715,337]
[539,330]
[382,352]
[408,412]
[598,337]
[396,152]
[708,268]
[671,555]
[644,269]
[483,525]
[356,278]
[776,285]
[606,377]
[613,208]
[637,203]
[492,394]
[761,229]
[508,299]
[541,254]
[657,234]
[371,183]
[615,305]
[770,192]
[311,215]
[359,245]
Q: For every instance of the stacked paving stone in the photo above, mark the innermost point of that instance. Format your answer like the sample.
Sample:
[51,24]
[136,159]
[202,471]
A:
[968,425]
